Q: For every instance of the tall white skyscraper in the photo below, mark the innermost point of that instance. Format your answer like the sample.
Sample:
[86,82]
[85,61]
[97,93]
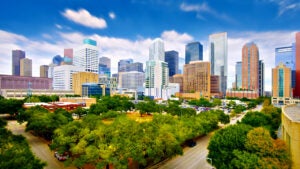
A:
[157,71]
[218,57]
[87,56]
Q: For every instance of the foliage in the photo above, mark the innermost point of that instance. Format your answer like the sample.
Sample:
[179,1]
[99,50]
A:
[11,106]
[217,102]
[42,122]
[115,103]
[41,98]
[147,107]
[202,102]
[15,151]
[92,141]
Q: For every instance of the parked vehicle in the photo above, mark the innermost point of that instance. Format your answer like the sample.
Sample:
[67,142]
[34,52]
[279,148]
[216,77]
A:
[61,157]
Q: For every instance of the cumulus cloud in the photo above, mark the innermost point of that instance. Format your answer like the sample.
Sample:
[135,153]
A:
[285,6]
[112,15]
[83,17]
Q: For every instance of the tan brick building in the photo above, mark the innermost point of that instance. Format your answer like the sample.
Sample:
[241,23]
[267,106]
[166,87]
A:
[82,77]
[196,78]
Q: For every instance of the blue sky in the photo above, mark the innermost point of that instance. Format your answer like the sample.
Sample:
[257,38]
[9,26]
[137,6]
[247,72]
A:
[125,29]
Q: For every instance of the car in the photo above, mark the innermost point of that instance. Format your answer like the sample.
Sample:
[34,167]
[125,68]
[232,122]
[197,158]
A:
[191,143]
[61,157]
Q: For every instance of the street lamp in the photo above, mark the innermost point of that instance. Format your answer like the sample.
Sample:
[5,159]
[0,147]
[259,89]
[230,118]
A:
[210,159]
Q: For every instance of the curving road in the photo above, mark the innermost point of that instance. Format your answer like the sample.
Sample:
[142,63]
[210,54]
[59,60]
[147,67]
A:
[38,146]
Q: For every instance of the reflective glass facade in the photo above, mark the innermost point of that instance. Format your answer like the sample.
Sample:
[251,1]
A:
[17,55]
[286,56]
[280,82]
[238,75]
[193,52]
[218,57]
[171,57]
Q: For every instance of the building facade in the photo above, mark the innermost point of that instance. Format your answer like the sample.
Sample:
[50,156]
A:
[193,52]
[123,63]
[62,76]
[17,55]
[290,118]
[171,57]
[87,56]
[214,86]
[286,56]
[297,55]
[26,67]
[238,75]
[250,67]
[261,77]
[178,78]
[157,72]
[136,66]
[218,57]
[44,70]
[196,78]
[95,89]
[281,81]
[82,77]
[131,80]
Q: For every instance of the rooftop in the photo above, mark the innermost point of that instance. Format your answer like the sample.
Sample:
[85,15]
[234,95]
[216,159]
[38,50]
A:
[293,112]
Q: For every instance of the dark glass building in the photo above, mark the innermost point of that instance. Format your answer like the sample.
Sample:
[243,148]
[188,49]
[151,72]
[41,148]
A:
[93,89]
[123,63]
[136,66]
[171,57]
[17,55]
[193,52]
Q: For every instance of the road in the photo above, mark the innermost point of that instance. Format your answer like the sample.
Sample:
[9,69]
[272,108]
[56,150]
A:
[195,157]
[38,146]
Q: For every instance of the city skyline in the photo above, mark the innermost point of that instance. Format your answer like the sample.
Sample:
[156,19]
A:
[269,24]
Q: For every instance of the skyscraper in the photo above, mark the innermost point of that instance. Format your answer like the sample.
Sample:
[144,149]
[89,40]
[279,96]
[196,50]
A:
[281,81]
[17,55]
[26,67]
[123,63]
[193,52]
[136,66]
[171,57]
[157,72]
[104,66]
[68,56]
[87,56]
[238,75]
[250,67]
[44,70]
[297,47]
[131,80]
[218,57]
[196,78]
[261,77]
[62,76]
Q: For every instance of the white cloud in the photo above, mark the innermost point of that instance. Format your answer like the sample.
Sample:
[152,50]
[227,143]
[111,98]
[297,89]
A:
[83,17]
[202,9]
[285,6]
[58,26]
[112,15]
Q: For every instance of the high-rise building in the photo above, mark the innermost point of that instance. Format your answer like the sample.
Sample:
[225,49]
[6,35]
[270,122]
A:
[123,63]
[136,66]
[297,47]
[157,72]
[238,75]
[44,70]
[62,76]
[286,56]
[171,57]
[193,52]
[17,55]
[281,81]
[68,56]
[131,80]
[57,60]
[87,56]
[214,85]
[104,66]
[250,67]
[26,67]
[196,78]
[218,58]
[80,78]
[261,77]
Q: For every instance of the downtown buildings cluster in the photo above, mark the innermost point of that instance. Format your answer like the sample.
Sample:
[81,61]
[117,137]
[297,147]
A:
[83,72]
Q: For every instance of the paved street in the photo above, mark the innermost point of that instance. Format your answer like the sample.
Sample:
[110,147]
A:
[195,157]
[38,146]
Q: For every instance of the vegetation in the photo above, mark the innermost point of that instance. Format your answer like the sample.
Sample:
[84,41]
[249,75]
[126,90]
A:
[41,98]
[92,141]
[15,152]
[11,106]
[252,143]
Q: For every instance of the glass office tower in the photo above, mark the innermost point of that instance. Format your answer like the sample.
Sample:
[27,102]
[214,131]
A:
[193,52]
